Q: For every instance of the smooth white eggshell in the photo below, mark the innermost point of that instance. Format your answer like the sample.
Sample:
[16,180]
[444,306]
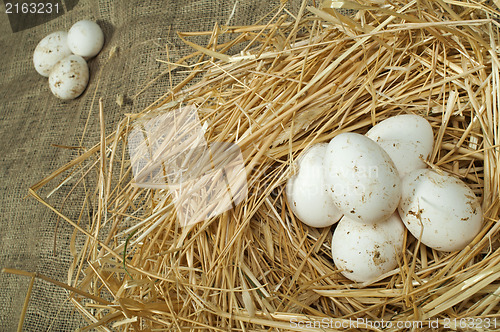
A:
[444,206]
[306,191]
[69,77]
[85,38]
[49,51]
[364,252]
[361,177]
[406,138]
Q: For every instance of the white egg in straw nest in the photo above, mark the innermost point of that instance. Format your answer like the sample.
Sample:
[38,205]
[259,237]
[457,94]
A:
[244,261]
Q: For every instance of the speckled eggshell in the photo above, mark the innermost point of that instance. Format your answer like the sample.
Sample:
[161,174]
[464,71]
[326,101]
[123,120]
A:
[49,51]
[406,138]
[364,252]
[69,77]
[85,38]
[444,206]
[306,192]
[361,177]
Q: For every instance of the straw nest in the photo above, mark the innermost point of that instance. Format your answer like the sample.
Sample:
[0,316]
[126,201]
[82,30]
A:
[296,81]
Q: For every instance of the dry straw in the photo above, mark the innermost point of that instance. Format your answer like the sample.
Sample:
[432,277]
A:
[298,81]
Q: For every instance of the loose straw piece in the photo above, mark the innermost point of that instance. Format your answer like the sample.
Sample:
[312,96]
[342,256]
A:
[57,283]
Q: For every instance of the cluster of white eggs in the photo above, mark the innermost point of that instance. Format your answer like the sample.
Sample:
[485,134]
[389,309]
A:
[61,56]
[376,184]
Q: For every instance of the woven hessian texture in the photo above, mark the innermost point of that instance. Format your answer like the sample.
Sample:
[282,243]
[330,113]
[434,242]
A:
[32,121]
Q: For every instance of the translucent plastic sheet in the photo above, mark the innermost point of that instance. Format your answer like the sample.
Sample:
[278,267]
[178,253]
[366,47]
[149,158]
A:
[168,151]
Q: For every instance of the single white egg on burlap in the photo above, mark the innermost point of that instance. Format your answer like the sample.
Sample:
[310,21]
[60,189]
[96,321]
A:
[85,38]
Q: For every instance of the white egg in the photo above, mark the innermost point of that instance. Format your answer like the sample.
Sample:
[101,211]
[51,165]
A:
[406,138]
[69,77]
[85,38]
[361,177]
[306,191]
[445,207]
[49,51]
[364,252]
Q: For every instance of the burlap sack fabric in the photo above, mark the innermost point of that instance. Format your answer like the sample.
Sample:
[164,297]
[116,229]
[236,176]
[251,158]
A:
[32,121]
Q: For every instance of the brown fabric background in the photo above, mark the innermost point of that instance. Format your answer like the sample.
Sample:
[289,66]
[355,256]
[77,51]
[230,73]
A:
[31,120]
